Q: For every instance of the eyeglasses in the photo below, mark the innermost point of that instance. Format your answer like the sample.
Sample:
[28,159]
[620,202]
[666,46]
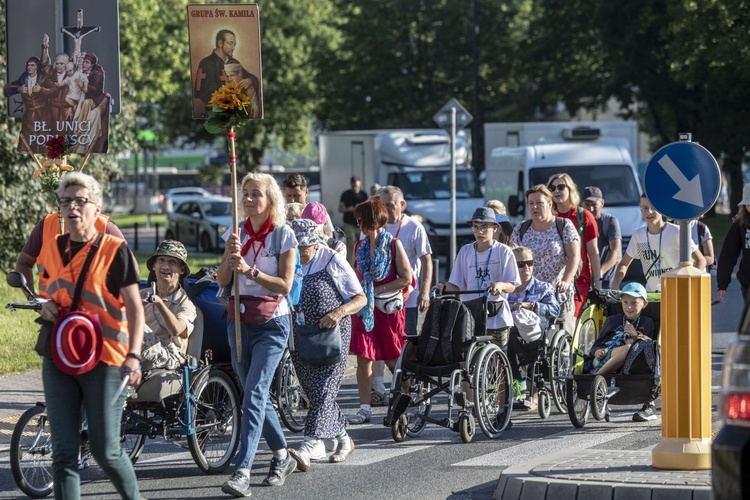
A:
[481,228]
[78,201]
[559,187]
[524,263]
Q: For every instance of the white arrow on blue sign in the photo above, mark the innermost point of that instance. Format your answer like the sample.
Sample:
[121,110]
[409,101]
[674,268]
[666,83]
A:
[682,180]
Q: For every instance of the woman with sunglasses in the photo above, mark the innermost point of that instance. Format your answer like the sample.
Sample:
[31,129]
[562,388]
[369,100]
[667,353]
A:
[556,249]
[538,297]
[565,202]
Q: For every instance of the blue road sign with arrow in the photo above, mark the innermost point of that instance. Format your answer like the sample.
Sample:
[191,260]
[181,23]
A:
[682,180]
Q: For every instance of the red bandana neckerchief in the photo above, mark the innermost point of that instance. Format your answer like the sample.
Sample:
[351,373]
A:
[252,237]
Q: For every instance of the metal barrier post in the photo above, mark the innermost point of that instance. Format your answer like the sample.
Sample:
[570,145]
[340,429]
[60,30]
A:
[135,237]
[156,236]
[685,371]
[435,271]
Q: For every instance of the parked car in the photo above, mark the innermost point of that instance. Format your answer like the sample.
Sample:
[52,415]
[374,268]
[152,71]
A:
[175,196]
[730,451]
[200,223]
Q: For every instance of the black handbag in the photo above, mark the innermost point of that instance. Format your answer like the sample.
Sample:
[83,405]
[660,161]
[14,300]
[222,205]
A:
[316,346]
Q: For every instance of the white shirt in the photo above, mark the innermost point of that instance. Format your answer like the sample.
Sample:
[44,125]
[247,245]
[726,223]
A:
[413,237]
[342,273]
[266,262]
[476,270]
[658,253]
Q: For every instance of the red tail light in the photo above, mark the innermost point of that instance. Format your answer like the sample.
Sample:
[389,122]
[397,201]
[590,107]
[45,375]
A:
[737,407]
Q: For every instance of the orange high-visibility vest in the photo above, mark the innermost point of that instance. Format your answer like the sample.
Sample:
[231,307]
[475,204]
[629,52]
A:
[95,297]
[50,230]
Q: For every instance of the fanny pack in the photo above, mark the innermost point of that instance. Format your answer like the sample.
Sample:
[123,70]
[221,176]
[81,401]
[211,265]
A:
[255,309]
[390,302]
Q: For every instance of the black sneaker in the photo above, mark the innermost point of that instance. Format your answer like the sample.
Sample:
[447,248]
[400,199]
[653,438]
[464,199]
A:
[238,485]
[648,412]
[280,469]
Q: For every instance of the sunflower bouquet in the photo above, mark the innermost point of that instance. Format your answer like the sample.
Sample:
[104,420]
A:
[229,107]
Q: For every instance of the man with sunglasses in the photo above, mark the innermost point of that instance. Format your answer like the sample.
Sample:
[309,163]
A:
[538,297]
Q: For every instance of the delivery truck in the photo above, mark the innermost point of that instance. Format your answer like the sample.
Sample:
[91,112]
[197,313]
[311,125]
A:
[418,162]
[602,154]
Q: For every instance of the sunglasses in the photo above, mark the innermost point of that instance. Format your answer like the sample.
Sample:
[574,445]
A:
[559,187]
[524,263]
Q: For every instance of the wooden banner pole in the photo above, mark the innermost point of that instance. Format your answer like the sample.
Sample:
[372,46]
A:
[236,229]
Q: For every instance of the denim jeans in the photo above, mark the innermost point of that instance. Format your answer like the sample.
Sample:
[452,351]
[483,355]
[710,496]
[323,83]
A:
[262,347]
[412,318]
[64,395]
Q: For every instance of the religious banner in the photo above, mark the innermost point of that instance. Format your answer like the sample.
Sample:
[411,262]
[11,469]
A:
[59,90]
[225,47]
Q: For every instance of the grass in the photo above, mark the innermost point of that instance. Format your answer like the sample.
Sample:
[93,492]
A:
[19,333]
[719,225]
[141,219]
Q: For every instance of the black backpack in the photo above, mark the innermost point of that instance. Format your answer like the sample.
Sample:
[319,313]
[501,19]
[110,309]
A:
[447,330]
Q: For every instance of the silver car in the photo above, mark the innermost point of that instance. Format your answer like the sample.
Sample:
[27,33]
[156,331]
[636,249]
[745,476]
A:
[200,223]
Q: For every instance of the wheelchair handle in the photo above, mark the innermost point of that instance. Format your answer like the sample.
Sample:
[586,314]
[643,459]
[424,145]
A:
[466,292]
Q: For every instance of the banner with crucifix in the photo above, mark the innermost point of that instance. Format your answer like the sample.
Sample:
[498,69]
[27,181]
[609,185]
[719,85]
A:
[224,47]
[59,88]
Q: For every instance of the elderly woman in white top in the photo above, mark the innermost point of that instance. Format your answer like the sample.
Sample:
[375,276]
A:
[264,257]
[331,293]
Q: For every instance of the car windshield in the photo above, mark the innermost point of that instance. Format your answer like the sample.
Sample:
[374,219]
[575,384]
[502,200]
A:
[617,182]
[435,184]
[217,208]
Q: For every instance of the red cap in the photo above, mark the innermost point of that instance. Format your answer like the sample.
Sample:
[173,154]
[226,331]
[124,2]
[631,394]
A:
[316,212]
[76,343]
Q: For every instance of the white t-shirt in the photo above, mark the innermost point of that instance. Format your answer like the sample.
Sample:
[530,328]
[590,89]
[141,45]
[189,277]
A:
[413,237]
[342,273]
[266,262]
[658,253]
[694,234]
[476,270]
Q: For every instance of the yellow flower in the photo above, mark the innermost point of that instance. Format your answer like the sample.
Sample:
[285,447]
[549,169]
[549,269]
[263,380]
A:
[66,168]
[229,96]
[38,172]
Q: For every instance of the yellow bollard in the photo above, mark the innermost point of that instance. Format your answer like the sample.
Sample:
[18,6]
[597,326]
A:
[685,371]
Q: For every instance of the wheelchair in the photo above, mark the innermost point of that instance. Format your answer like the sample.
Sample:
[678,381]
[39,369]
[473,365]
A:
[588,394]
[548,370]
[483,369]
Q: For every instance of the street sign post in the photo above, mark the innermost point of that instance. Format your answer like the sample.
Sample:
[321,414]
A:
[452,116]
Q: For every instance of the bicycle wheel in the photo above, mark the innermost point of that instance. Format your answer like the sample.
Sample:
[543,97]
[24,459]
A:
[290,399]
[216,421]
[132,443]
[31,453]
[493,390]
[559,367]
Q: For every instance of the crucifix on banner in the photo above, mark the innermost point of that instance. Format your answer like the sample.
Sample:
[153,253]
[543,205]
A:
[77,33]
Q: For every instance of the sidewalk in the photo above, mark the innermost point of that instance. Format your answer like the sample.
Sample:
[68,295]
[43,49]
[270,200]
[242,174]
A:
[17,394]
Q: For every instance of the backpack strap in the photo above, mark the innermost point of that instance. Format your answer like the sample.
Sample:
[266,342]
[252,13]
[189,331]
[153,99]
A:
[560,223]
[579,215]
[525,225]
[701,233]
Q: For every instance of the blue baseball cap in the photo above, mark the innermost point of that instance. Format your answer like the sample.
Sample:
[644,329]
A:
[499,218]
[634,290]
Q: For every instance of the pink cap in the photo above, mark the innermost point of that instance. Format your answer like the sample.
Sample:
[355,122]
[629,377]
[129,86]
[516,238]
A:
[316,212]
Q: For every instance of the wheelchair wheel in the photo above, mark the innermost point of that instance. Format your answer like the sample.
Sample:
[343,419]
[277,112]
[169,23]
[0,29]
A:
[559,366]
[291,401]
[466,427]
[399,428]
[416,425]
[598,398]
[544,405]
[216,421]
[31,453]
[493,390]
[132,444]
[578,409]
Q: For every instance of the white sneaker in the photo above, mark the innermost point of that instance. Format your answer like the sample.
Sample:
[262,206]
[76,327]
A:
[317,450]
[330,444]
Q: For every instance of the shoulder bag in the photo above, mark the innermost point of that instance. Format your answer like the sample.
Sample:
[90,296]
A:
[317,346]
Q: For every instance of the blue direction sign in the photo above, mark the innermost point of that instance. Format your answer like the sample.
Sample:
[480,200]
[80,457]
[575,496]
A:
[682,180]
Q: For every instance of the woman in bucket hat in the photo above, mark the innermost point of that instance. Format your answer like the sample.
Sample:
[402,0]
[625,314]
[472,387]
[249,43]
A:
[170,314]
[736,246]
[95,347]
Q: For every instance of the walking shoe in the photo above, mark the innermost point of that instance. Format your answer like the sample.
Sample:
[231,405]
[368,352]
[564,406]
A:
[378,398]
[238,485]
[280,469]
[361,417]
[308,450]
[344,449]
[330,443]
[83,462]
[648,412]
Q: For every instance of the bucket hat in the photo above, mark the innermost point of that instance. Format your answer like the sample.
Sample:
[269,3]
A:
[306,232]
[170,248]
[745,195]
[483,214]
[634,290]
[528,324]
[76,343]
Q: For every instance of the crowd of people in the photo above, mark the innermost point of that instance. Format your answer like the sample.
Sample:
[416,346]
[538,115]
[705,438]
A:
[366,284]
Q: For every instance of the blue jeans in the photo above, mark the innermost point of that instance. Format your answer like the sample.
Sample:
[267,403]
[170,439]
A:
[412,318]
[64,395]
[262,347]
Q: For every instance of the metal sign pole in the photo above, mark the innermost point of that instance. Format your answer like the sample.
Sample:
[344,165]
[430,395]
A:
[453,186]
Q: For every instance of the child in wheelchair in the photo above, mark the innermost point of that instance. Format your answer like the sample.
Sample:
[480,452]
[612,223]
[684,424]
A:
[533,301]
[624,336]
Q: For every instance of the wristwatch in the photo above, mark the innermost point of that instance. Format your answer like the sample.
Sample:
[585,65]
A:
[256,272]
[134,356]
